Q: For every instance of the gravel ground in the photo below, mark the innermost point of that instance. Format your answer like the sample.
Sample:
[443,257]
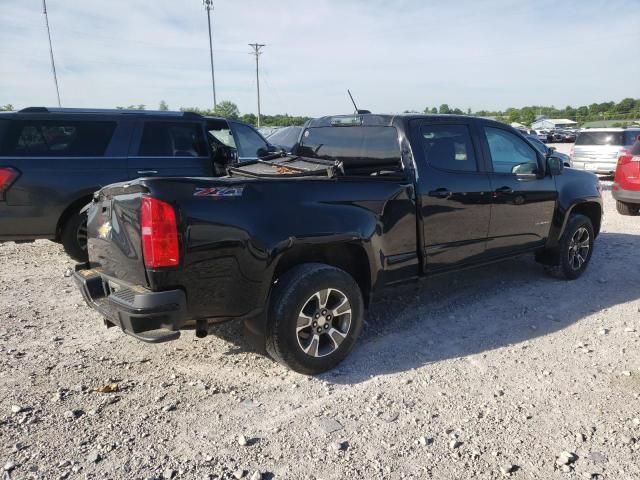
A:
[490,373]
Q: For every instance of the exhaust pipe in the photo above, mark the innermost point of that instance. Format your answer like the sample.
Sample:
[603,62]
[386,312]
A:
[202,328]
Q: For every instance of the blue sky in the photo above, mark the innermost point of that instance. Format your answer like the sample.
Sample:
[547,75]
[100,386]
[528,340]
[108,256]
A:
[398,55]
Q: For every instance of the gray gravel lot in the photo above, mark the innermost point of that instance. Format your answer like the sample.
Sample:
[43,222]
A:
[490,373]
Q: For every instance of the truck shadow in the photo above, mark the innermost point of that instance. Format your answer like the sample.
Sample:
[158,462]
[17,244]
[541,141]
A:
[466,313]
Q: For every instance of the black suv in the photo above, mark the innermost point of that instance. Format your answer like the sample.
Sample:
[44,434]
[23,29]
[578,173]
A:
[52,160]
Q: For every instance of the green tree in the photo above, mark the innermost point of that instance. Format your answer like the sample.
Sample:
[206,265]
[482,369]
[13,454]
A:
[227,109]
[249,118]
[434,110]
[163,107]
[6,108]
[444,108]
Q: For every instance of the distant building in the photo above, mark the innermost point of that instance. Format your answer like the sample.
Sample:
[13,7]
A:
[549,123]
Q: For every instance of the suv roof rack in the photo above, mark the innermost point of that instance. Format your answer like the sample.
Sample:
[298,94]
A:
[122,111]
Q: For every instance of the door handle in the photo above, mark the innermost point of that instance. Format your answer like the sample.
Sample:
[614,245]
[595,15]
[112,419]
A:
[504,190]
[147,172]
[440,193]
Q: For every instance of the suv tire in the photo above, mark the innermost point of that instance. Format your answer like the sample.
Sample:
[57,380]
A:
[574,249]
[315,316]
[74,237]
[630,209]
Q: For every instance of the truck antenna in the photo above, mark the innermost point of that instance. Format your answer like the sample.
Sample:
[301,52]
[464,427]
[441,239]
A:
[352,100]
[358,111]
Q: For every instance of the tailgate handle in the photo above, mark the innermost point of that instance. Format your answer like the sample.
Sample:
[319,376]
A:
[147,172]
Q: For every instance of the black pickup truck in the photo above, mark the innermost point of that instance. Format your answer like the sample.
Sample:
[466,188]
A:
[297,246]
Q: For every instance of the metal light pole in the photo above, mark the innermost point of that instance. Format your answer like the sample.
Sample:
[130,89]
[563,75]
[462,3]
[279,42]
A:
[256,51]
[53,65]
[208,5]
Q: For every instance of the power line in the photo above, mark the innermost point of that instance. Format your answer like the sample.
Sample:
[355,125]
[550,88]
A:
[256,51]
[208,5]
[53,64]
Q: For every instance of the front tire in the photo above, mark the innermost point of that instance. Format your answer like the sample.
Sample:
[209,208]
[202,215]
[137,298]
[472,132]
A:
[630,209]
[574,249]
[315,317]
[74,237]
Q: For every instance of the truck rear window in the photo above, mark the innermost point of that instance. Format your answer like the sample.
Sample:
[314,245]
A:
[361,149]
[51,138]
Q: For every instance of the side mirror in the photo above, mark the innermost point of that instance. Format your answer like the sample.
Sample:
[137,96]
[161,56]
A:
[268,150]
[554,165]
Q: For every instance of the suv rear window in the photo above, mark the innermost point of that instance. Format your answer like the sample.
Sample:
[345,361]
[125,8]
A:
[52,138]
[359,148]
[600,138]
[166,139]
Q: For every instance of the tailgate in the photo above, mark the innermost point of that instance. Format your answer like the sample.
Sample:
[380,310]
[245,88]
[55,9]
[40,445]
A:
[114,243]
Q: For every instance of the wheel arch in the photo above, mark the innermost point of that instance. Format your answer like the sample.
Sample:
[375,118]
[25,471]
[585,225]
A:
[590,209]
[73,207]
[350,257]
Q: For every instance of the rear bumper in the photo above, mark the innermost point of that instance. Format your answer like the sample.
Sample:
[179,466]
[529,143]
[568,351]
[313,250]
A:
[627,196]
[600,168]
[152,317]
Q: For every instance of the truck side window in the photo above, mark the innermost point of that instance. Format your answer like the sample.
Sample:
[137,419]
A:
[509,153]
[249,142]
[448,147]
[166,139]
[48,138]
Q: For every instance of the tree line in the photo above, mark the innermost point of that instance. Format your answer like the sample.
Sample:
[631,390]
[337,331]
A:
[626,109]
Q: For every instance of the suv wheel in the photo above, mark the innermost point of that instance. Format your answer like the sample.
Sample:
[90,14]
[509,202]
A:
[315,317]
[575,248]
[74,237]
[630,209]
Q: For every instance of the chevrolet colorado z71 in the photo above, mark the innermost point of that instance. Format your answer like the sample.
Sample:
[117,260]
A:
[296,246]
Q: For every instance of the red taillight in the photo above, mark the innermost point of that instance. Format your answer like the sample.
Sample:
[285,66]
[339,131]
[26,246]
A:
[159,233]
[8,175]
[623,157]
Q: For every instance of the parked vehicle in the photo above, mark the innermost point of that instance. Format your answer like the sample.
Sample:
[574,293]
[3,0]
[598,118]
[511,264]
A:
[568,136]
[626,185]
[550,151]
[540,135]
[285,138]
[297,246]
[52,160]
[598,149]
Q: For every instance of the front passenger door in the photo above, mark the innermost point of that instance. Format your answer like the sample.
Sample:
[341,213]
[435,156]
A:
[523,197]
[248,142]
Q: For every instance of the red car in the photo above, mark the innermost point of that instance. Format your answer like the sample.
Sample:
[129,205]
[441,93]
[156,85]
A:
[626,187]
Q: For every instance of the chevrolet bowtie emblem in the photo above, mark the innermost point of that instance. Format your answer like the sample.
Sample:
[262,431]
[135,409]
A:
[104,229]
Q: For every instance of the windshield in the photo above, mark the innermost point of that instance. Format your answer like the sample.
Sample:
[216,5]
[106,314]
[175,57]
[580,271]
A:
[355,146]
[600,138]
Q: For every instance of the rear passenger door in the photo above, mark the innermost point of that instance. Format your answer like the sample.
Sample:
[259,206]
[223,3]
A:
[523,199]
[169,148]
[454,193]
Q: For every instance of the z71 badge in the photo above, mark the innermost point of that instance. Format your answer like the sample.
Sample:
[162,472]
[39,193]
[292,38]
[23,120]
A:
[219,192]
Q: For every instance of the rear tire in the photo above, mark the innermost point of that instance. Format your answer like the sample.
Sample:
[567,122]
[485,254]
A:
[315,316]
[74,237]
[574,249]
[629,209]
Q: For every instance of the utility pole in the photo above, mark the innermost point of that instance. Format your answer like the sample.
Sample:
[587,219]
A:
[208,5]
[53,65]
[256,51]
